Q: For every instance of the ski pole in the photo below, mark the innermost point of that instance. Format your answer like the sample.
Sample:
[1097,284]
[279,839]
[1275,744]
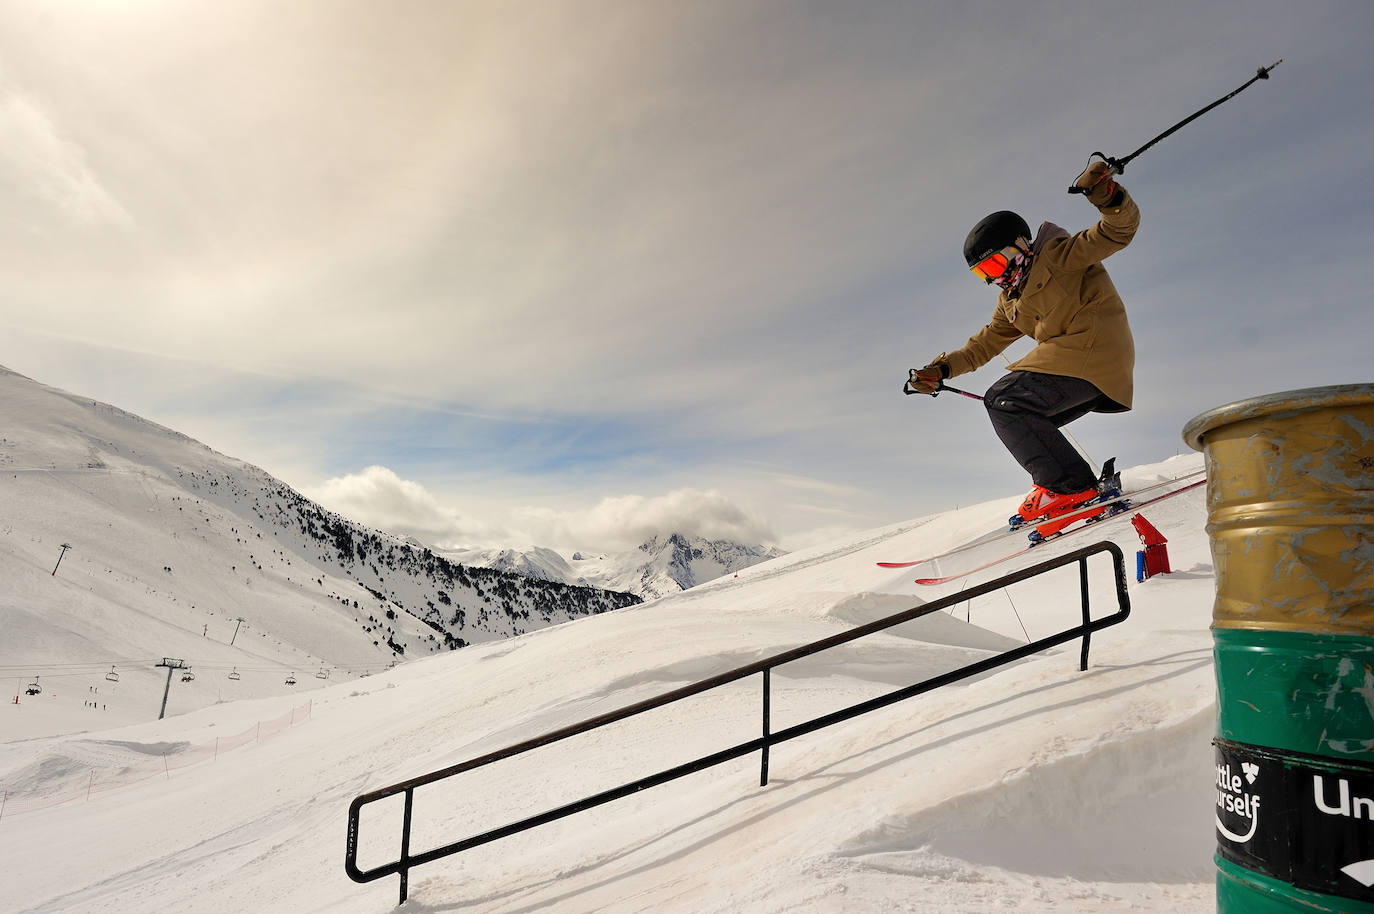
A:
[955,390]
[906,389]
[1118,166]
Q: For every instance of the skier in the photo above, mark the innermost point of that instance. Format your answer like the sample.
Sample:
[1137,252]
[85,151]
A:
[1053,289]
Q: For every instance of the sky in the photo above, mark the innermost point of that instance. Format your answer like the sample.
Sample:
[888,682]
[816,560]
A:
[565,274]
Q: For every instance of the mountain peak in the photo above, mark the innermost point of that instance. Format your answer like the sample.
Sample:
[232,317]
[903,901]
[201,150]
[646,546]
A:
[679,561]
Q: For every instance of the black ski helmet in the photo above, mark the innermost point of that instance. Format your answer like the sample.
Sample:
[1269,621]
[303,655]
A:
[993,233]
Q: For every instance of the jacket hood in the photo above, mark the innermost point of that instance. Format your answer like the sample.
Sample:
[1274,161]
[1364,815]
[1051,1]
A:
[1047,231]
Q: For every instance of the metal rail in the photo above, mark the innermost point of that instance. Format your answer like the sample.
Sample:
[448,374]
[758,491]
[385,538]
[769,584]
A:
[407,860]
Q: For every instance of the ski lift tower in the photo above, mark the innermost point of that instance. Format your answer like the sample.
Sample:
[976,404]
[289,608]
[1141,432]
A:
[171,665]
[65,547]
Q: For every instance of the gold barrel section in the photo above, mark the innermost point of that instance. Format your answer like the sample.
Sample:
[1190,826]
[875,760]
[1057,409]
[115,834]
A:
[1290,497]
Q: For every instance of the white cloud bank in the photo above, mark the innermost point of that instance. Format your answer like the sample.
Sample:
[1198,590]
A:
[628,520]
[378,497]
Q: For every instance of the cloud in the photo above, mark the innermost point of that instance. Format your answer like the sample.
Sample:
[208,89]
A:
[816,486]
[379,498]
[35,155]
[625,521]
[699,243]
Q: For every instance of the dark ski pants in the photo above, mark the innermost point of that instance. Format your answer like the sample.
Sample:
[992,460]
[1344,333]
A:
[1028,409]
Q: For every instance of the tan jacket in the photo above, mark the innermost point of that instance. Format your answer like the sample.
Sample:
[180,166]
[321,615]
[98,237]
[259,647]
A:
[1069,306]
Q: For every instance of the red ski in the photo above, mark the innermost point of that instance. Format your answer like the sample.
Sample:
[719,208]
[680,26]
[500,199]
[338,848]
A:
[1123,502]
[1135,506]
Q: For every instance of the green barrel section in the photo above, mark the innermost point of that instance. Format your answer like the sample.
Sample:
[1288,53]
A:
[1290,499]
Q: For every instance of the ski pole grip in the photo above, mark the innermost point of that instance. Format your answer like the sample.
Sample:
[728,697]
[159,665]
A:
[908,388]
[1114,167]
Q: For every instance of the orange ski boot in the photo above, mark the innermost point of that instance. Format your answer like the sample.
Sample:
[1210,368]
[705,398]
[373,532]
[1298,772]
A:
[1061,510]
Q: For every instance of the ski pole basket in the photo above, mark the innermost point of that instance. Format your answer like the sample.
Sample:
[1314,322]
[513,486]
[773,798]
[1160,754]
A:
[407,858]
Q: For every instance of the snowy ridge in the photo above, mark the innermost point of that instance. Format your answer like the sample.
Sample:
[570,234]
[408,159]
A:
[536,562]
[178,551]
[1037,786]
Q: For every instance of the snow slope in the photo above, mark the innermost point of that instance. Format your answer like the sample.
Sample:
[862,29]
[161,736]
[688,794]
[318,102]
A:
[1036,787]
[180,552]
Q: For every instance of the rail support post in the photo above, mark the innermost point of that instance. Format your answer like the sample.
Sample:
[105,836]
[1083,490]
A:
[763,772]
[1087,611]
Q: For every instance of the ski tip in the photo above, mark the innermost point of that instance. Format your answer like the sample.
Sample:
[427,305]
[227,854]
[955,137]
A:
[897,564]
[928,581]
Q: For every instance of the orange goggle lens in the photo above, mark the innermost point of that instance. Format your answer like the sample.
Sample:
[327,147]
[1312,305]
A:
[994,265]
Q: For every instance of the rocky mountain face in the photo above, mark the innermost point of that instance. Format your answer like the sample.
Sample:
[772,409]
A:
[677,562]
[663,565]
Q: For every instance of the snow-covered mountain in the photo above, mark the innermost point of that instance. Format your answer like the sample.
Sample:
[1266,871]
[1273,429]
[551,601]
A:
[1037,787]
[536,562]
[106,518]
[662,566]
[669,564]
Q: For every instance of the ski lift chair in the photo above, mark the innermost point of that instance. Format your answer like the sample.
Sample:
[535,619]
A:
[112,675]
[187,675]
[34,688]
[235,674]
[291,679]
[321,675]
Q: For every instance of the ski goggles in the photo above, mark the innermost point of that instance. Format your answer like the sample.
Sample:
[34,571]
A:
[994,266]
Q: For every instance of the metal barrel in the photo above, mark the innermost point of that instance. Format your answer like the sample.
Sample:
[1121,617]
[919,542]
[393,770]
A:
[1290,499]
